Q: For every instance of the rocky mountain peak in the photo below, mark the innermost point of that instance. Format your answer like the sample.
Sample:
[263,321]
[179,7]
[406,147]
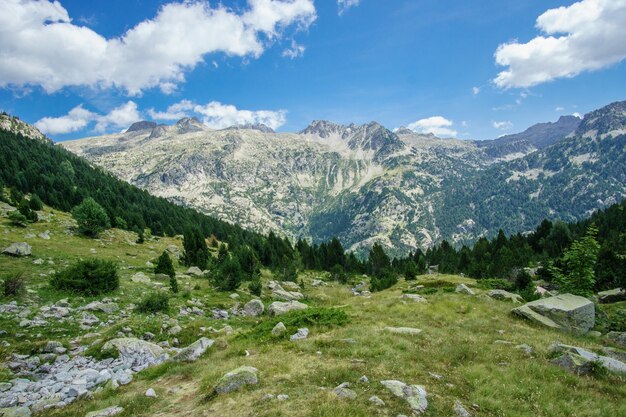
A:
[141,125]
[323,128]
[15,125]
[189,124]
[610,118]
[402,130]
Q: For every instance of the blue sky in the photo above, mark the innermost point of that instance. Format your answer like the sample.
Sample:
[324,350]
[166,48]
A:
[81,68]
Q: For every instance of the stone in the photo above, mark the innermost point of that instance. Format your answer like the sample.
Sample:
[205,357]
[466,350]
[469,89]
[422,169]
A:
[195,271]
[413,297]
[343,391]
[15,412]
[300,335]
[414,395]
[128,347]
[279,329]
[403,330]
[44,235]
[281,294]
[106,412]
[18,249]
[619,355]
[376,401]
[140,277]
[504,296]
[618,338]
[234,296]
[108,308]
[51,346]
[254,308]
[579,360]
[464,289]
[193,352]
[317,283]
[236,379]
[459,410]
[149,264]
[282,397]
[612,296]
[364,380]
[150,393]
[174,330]
[278,308]
[174,251]
[567,312]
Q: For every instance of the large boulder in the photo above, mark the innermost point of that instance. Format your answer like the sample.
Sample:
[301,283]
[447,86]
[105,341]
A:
[414,395]
[192,352]
[253,308]
[343,391]
[277,308]
[236,379]
[18,249]
[281,294]
[504,296]
[581,361]
[194,270]
[464,289]
[567,312]
[130,347]
[612,296]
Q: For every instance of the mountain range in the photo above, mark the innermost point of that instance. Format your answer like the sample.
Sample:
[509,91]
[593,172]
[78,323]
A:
[367,184]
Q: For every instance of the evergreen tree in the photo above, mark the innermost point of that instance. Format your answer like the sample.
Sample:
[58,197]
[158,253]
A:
[222,254]
[378,260]
[35,202]
[578,276]
[164,265]
[410,271]
[173,284]
[196,252]
[229,274]
[91,217]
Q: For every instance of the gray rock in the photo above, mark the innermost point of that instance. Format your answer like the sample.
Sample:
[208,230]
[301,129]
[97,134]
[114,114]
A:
[108,308]
[580,360]
[343,391]
[565,312]
[282,397]
[364,380]
[195,271]
[414,395]
[525,348]
[464,289]
[280,294]
[130,347]
[151,393]
[279,329]
[300,335]
[106,412]
[612,296]
[376,401]
[140,277]
[277,308]
[18,249]
[619,355]
[236,379]
[414,297]
[459,410]
[504,296]
[15,412]
[192,352]
[618,338]
[44,235]
[174,330]
[254,308]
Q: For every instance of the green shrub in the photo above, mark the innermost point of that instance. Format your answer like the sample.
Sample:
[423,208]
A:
[174,285]
[255,287]
[35,203]
[523,280]
[18,219]
[385,279]
[494,284]
[89,277]
[91,217]
[13,285]
[529,294]
[154,303]
[164,265]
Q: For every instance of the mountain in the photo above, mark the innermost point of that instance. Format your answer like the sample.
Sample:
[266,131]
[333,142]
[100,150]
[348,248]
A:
[15,125]
[367,184]
[535,137]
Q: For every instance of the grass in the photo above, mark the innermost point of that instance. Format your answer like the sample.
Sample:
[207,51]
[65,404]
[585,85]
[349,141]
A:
[346,341]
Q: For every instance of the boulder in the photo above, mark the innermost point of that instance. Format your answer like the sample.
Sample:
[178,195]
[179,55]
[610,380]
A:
[343,391]
[192,352]
[414,395]
[566,312]
[580,361]
[18,249]
[174,251]
[195,271]
[254,308]
[300,335]
[15,412]
[413,297]
[151,393]
[504,296]
[236,379]
[403,330]
[106,412]
[464,289]
[129,347]
[140,277]
[291,286]
[376,401]
[618,338]
[280,294]
[100,306]
[279,329]
[277,308]
[612,296]
[459,410]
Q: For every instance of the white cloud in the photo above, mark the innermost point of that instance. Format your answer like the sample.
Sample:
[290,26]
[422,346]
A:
[586,36]
[42,47]
[559,109]
[218,116]
[504,125]
[79,118]
[174,112]
[437,125]
[344,5]
[294,51]
[475,90]
[576,114]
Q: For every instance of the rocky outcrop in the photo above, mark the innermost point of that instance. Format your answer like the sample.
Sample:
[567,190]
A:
[504,296]
[193,352]
[612,296]
[582,361]
[565,312]
[18,249]
[237,379]
[277,308]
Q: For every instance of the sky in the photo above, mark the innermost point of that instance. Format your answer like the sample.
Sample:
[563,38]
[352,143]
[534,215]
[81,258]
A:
[472,69]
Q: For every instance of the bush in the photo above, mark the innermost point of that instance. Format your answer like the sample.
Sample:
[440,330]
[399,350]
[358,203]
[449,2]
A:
[35,203]
[385,279]
[494,284]
[255,287]
[523,280]
[164,265]
[89,277]
[18,219]
[229,275]
[91,217]
[13,285]
[529,294]
[154,303]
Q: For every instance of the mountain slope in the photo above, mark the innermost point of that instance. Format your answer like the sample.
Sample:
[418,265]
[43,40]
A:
[366,184]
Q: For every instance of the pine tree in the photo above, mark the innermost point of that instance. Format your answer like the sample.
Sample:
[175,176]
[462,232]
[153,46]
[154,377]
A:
[579,263]
[173,284]
[164,265]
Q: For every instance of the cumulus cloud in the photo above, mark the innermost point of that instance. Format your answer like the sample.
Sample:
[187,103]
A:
[79,118]
[504,125]
[218,116]
[294,51]
[475,90]
[437,125]
[344,5]
[41,46]
[586,36]
[174,112]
